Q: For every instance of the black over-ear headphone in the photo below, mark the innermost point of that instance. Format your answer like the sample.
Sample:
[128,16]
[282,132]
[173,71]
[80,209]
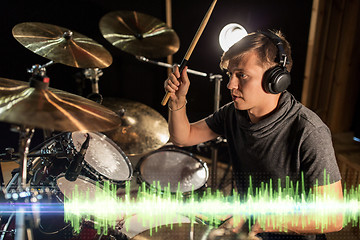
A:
[276,79]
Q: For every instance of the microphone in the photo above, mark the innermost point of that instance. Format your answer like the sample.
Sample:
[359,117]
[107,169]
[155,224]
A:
[76,164]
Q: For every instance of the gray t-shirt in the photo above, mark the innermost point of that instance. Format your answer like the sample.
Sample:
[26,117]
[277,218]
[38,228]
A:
[291,141]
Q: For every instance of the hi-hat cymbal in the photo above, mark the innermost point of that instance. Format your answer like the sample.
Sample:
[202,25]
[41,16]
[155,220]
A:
[175,231]
[139,34]
[142,128]
[52,109]
[62,45]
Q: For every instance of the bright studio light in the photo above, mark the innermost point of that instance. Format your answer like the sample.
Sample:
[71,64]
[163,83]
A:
[230,34]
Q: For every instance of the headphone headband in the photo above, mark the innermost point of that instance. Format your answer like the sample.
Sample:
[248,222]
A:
[276,40]
[277,78]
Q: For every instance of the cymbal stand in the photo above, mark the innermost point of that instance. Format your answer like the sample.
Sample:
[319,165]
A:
[39,71]
[23,222]
[25,135]
[214,150]
[93,75]
[217,79]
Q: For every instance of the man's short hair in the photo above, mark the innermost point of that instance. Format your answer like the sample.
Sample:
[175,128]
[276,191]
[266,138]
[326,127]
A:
[262,45]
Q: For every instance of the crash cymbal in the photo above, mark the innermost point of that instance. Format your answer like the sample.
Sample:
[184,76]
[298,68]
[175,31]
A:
[142,128]
[175,231]
[139,34]
[62,45]
[52,109]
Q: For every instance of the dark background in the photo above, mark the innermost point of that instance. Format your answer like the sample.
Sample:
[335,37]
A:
[143,82]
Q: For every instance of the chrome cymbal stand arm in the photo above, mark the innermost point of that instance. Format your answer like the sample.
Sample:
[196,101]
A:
[167,65]
[38,69]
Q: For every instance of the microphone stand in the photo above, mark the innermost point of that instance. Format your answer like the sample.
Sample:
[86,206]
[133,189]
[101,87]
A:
[217,79]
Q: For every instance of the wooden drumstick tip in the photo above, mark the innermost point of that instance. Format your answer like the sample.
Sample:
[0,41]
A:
[166,98]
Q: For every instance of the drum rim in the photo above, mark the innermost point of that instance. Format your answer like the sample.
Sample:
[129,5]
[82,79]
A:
[82,177]
[171,148]
[112,143]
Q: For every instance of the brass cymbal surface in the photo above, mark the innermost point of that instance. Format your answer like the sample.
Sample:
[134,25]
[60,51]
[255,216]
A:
[139,34]
[52,109]
[142,128]
[175,231]
[62,45]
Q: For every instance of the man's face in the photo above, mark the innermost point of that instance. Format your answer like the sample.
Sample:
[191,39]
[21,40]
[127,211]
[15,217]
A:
[245,83]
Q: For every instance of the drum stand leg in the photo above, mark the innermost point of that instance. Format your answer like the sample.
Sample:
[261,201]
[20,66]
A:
[191,232]
[214,152]
[23,221]
[5,229]
[214,159]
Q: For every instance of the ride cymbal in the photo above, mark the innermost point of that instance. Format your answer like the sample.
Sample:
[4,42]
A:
[139,34]
[142,128]
[52,109]
[62,45]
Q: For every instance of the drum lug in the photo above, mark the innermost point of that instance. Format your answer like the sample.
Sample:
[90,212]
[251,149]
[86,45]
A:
[100,178]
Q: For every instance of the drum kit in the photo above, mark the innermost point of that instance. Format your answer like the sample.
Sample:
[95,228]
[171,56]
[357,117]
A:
[90,141]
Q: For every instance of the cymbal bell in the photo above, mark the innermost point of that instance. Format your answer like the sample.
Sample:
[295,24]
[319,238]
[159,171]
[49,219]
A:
[52,109]
[62,45]
[142,129]
[175,231]
[139,34]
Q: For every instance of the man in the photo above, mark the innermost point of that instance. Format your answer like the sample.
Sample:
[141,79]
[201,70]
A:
[270,135]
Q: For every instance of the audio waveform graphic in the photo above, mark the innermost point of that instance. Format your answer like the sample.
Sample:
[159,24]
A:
[288,206]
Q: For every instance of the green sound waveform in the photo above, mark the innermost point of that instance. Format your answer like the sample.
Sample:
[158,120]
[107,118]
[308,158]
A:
[265,204]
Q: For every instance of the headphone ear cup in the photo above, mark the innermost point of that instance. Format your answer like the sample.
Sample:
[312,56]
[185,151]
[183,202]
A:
[276,80]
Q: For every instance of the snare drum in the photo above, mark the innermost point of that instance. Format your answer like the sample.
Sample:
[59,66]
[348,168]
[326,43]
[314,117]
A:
[104,160]
[174,166]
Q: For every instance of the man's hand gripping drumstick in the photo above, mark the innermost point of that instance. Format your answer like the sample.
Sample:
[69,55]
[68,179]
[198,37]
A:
[192,46]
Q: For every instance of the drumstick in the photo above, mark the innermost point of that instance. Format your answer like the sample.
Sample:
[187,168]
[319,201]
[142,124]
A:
[192,46]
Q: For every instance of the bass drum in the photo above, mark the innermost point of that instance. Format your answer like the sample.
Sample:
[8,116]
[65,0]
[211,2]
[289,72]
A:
[174,167]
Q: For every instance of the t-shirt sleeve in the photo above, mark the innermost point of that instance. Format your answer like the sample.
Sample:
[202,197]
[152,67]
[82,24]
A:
[318,158]
[216,121]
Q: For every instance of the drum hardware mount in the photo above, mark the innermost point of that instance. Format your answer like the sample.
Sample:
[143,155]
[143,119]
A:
[93,75]
[38,69]
[7,156]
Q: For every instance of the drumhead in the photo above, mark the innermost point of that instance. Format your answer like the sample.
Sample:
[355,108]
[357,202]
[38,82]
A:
[83,184]
[135,225]
[175,167]
[104,156]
